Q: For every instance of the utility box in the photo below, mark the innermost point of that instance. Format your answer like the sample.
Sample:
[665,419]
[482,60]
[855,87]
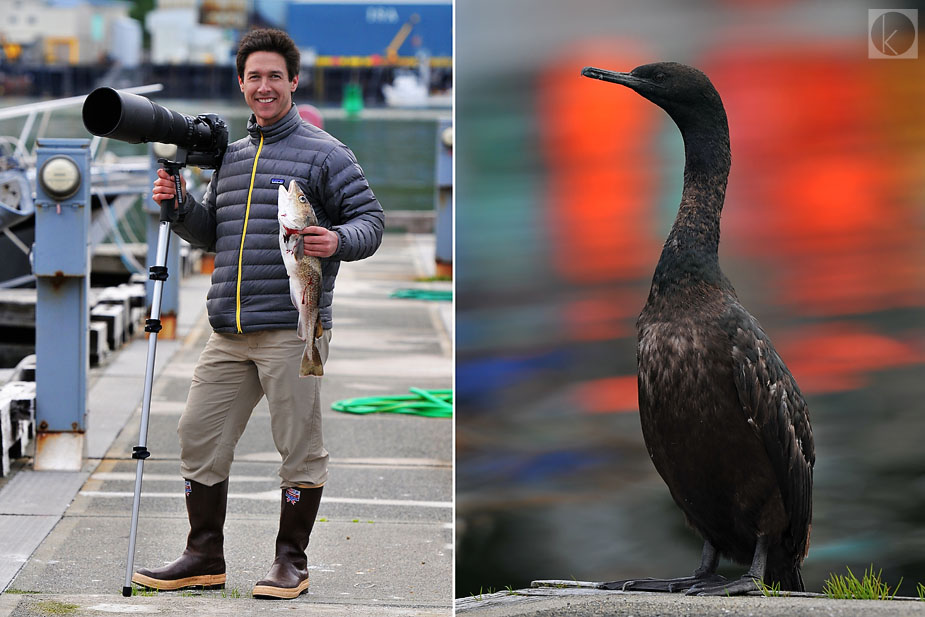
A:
[61,263]
[62,221]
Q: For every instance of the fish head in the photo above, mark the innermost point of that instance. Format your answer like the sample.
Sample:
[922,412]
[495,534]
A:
[291,202]
[296,196]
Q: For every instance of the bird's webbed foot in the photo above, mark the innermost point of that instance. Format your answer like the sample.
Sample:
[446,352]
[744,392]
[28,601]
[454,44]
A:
[670,585]
[738,587]
[747,582]
[705,576]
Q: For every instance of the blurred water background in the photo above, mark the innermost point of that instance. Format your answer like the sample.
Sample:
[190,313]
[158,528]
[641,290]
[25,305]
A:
[396,150]
[566,189]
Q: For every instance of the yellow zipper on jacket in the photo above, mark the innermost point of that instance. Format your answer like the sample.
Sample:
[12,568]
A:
[247,213]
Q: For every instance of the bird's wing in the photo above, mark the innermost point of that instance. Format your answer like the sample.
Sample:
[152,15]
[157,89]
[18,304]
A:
[774,406]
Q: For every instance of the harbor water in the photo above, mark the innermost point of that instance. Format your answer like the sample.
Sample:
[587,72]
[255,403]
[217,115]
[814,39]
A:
[395,148]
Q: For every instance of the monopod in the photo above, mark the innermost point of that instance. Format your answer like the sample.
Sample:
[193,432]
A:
[158,274]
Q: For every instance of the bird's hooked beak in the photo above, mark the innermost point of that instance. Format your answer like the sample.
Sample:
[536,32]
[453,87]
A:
[624,79]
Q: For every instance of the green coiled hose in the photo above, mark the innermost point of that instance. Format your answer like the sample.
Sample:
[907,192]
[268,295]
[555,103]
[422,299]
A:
[423,294]
[427,403]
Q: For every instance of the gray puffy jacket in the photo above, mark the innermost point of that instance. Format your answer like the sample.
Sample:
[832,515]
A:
[237,220]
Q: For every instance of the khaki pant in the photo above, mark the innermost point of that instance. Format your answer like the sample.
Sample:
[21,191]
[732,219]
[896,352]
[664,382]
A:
[234,372]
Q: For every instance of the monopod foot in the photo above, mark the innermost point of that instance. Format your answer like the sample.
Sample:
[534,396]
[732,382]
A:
[127,591]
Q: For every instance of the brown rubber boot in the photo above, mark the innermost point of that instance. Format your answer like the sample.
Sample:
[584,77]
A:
[288,576]
[202,564]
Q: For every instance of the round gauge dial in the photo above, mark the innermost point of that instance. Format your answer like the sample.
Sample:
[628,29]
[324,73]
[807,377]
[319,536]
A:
[60,177]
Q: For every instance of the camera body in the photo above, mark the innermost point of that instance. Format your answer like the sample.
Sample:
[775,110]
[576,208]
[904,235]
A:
[210,158]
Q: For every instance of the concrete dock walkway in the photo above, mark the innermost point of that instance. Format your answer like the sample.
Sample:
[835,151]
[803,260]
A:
[383,542]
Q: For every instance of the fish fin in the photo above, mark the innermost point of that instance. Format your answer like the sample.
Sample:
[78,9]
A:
[319,329]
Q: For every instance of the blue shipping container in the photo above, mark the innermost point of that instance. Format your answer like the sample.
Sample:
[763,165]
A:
[367,28]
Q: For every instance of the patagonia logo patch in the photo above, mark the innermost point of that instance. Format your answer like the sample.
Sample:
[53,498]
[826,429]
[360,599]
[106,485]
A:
[293,495]
[277,181]
[188,489]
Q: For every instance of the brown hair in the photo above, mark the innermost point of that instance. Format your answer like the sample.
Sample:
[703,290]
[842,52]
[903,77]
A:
[269,40]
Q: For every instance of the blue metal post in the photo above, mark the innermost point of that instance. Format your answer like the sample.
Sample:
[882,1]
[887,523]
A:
[62,266]
[444,198]
[170,303]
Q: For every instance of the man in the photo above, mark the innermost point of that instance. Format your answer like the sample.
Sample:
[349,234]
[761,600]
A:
[254,349]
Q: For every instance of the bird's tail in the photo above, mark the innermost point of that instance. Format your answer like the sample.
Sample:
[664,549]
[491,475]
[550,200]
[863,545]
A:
[788,575]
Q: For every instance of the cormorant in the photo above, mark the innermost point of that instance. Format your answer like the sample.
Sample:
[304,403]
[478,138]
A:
[723,419]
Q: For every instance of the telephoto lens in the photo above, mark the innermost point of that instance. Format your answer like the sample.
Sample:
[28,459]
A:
[136,119]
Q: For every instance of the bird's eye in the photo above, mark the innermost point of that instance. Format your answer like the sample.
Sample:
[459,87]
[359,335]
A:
[659,76]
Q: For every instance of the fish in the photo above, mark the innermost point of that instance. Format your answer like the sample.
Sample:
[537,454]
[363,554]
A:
[296,213]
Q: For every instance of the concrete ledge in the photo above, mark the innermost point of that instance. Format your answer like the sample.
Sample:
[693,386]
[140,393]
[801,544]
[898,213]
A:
[586,602]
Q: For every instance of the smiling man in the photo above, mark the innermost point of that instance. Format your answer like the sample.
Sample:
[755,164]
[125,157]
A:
[254,350]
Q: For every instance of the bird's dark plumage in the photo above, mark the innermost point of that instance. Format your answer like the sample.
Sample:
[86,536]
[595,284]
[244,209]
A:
[723,419]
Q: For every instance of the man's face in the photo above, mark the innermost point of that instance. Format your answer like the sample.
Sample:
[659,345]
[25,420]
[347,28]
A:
[266,86]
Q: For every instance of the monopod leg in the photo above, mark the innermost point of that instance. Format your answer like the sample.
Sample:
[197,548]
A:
[140,452]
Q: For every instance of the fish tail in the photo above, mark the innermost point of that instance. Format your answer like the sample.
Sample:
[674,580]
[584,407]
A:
[311,364]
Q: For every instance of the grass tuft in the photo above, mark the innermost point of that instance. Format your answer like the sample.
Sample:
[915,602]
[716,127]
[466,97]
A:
[22,592]
[869,587]
[139,590]
[921,591]
[53,607]
[770,591]
[481,592]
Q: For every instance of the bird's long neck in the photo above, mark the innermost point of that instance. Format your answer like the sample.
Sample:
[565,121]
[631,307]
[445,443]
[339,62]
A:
[691,250]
